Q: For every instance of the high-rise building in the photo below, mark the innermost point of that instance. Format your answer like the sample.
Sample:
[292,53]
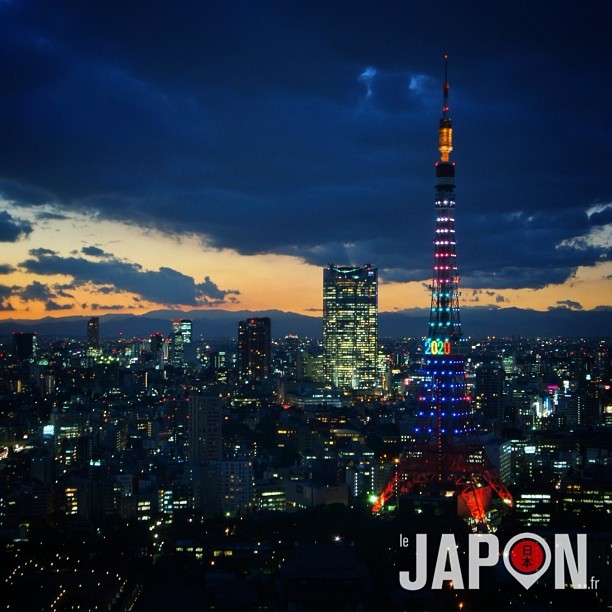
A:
[218,365]
[180,336]
[446,460]
[24,345]
[93,334]
[156,343]
[313,367]
[254,349]
[206,418]
[205,451]
[291,358]
[489,391]
[235,486]
[350,326]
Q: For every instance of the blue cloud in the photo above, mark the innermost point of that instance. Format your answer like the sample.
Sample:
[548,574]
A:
[12,229]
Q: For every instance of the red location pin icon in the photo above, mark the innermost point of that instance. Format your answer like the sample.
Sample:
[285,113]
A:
[527,557]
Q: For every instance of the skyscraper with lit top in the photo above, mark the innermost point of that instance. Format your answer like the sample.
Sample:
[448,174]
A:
[180,336]
[350,326]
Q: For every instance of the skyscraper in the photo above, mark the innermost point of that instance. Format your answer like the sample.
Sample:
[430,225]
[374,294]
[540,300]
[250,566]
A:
[205,450]
[350,326]
[291,358]
[180,335]
[206,418]
[157,343]
[489,391]
[24,345]
[254,349]
[93,334]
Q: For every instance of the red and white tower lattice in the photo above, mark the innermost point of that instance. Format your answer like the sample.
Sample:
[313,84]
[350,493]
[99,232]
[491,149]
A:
[446,458]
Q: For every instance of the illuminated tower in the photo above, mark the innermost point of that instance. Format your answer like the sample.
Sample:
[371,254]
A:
[445,460]
[350,326]
[444,324]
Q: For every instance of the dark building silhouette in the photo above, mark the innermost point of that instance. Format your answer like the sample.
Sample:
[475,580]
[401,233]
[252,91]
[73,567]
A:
[489,391]
[325,577]
[206,418]
[93,334]
[291,358]
[254,349]
[157,343]
[24,345]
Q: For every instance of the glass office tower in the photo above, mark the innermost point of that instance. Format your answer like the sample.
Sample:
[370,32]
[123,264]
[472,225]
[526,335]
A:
[350,326]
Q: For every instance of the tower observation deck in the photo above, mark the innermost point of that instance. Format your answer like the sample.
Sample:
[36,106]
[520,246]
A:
[444,459]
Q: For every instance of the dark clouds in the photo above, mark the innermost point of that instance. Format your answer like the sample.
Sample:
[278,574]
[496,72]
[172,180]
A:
[12,229]
[94,251]
[309,128]
[5,293]
[35,291]
[53,305]
[109,275]
[571,304]
[39,292]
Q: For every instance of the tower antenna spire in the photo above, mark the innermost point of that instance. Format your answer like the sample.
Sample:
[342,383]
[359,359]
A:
[445,133]
[445,87]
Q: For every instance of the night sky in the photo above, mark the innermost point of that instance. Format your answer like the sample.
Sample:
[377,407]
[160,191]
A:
[204,153]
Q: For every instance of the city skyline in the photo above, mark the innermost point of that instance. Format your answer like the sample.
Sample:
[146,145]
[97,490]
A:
[222,155]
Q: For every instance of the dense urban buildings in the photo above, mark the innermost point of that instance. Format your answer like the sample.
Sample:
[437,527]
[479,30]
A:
[350,326]
[127,439]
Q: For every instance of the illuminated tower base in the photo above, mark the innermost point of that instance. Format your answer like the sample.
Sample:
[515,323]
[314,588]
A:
[446,459]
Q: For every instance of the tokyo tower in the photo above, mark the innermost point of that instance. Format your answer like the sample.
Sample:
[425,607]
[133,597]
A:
[445,460]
